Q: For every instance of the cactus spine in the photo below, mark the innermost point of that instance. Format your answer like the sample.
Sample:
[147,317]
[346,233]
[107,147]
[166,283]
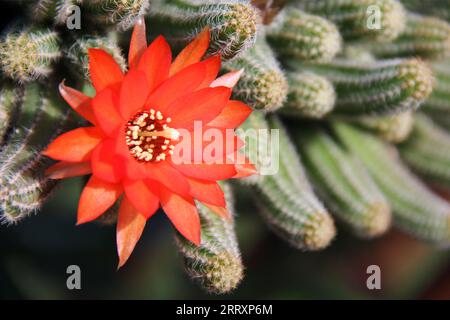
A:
[298,35]
[233,23]
[287,201]
[343,183]
[216,264]
[352,17]
[263,84]
[28,55]
[378,88]
[428,151]
[309,96]
[416,209]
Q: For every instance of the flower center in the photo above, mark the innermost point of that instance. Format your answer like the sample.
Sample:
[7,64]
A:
[149,138]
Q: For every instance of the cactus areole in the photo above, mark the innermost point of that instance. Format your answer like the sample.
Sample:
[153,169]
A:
[136,120]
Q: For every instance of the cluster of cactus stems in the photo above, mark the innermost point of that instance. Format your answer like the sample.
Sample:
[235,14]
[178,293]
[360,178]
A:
[362,112]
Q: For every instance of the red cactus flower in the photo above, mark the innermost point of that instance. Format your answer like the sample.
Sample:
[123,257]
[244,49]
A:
[136,119]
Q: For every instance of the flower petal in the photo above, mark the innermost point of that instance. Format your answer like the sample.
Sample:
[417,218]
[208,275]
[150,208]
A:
[207,171]
[169,177]
[142,196]
[76,145]
[130,226]
[64,169]
[185,81]
[183,214]
[212,65]
[96,198]
[228,80]
[105,106]
[220,211]
[192,53]
[155,62]
[78,101]
[203,105]
[105,163]
[138,43]
[103,69]
[207,191]
[133,93]
[232,116]
[243,166]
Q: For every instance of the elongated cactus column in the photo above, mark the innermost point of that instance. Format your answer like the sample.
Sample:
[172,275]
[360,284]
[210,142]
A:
[377,88]
[286,199]
[233,23]
[427,151]
[416,209]
[216,264]
[343,183]
[262,84]
[34,119]
[28,55]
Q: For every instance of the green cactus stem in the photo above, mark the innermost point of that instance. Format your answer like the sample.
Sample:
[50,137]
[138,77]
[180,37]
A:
[427,151]
[437,8]
[378,88]
[353,17]
[393,128]
[216,264]
[78,52]
[263,84]
[309,96]
[287,201]
[298,35]
[343,183]
[28,54]
[416,209]
[34,120]
[233,23]
[424,36]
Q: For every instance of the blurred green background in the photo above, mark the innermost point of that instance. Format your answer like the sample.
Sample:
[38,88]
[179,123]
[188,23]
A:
[35,253]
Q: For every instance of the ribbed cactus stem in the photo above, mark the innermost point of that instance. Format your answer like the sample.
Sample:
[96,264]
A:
[437,105]
[120,13]
[377,88]
[309,96]
[263,84]
[437,8]
[427,151]
[288,203]
[28,54]
[424,36]
[393,128]
[48,10]
[298,35]
[216,264]
[233,23]
[78,52]
[343,183]
[353,17]
[416,209]
[35,120]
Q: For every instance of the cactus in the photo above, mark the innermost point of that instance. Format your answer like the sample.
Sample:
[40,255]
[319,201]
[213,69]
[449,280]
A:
[263,84]
[233,23]
[416,209]
[309,96]
[287,202]
[78,55]
[33,120]
[353,17]
[378,88]
[298,35]
[424,36]
[28,54]
[216,264]
[394,128]
[427,151]
[343,183]
[437,8]
[52,10]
